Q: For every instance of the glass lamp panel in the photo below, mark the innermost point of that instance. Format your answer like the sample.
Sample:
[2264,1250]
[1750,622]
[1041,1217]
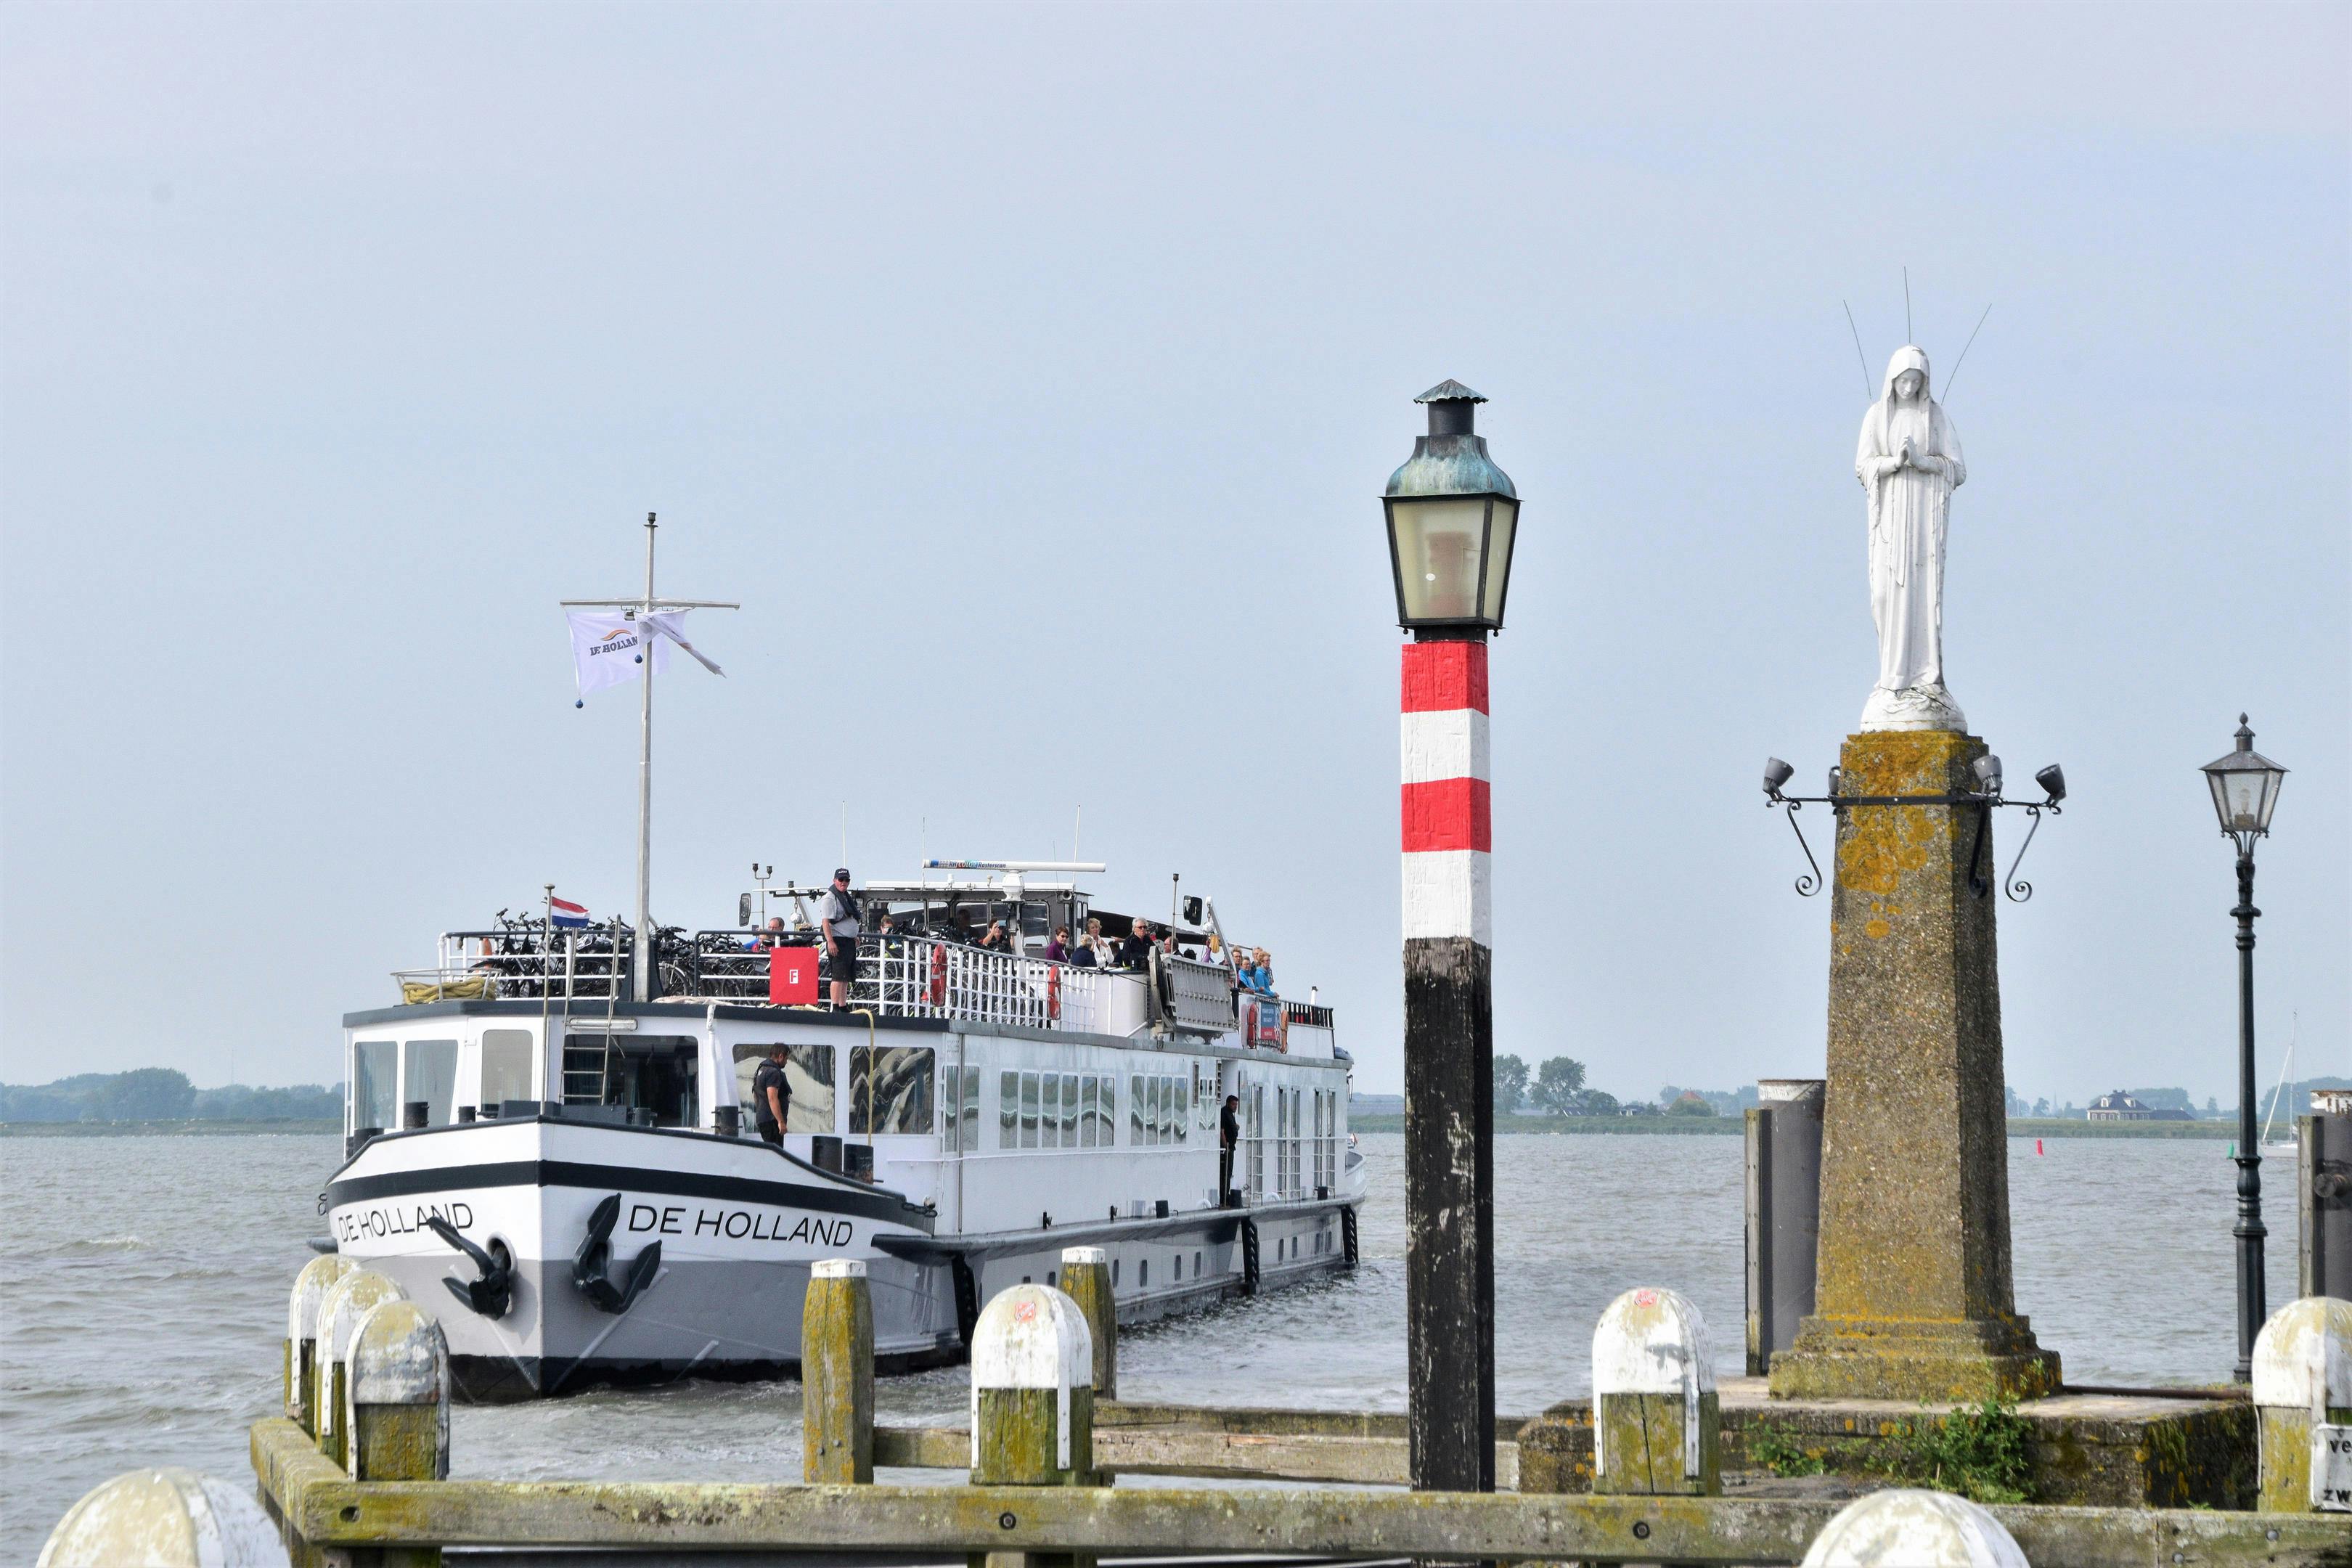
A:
[2243,791]
[2272,779]
[1498,560]
[1439,541]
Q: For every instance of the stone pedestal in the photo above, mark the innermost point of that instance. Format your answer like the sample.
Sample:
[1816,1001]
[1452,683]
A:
[1913,1297]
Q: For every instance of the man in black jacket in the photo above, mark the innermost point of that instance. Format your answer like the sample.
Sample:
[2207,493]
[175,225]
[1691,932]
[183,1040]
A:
[1229,1133]
[771,1096]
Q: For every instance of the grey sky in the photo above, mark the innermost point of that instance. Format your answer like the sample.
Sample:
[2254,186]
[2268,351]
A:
[1066,352]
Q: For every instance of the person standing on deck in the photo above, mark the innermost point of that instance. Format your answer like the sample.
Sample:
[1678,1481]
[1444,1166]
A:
[839,922]
[1229,1132]
[771,1096]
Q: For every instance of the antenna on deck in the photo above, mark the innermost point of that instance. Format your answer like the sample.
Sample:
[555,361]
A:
[1908,335]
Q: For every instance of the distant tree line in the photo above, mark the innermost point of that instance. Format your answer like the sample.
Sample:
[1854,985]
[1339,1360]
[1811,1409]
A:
[164,1094]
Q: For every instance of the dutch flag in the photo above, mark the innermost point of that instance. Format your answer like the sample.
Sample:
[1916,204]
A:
[566,913]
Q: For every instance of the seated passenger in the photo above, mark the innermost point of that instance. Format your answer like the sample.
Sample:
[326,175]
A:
[1135,952]
[996,941]
[1059,950]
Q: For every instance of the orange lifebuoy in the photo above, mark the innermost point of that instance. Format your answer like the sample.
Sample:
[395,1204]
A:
[1054,992]
[939,974]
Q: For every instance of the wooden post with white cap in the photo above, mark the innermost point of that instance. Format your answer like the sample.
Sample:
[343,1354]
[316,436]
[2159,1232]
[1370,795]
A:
[166,1519]
[1907,1525]
[1655,1417]
[397,1423]
[837,1374]
[303,1303]
[1032,1403]
[2302,1408]
[347,1300]
[1086,1280]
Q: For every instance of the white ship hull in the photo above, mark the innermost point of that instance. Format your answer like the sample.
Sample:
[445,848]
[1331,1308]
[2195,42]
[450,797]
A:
[967,1196]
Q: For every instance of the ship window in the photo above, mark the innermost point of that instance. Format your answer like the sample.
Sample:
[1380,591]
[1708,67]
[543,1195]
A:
[890,1087]
[1029,1110]
[1181,1119]
[1089,1089]
[950,1097]
[1135,1109]
[506,1066]
[432,1077]
[971,1107]
[1143,1273]
[1163,1093]
[1008,1111]
[1049,1111]
[808,1074]
[374,1064]
[1069,1111]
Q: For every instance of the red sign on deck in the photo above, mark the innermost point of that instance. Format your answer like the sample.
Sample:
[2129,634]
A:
[791,976]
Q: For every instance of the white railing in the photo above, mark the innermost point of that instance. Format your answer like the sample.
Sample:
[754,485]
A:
[902,976]
[917,978]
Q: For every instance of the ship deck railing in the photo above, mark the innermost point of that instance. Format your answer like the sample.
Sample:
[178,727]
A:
[899,975]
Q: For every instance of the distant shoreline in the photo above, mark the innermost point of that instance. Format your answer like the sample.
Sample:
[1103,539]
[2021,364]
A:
[1587,1126]
[188,1128]
[1725,1126]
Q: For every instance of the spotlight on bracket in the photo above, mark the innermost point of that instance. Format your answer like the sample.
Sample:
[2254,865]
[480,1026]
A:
[1776,773]
[2052,779]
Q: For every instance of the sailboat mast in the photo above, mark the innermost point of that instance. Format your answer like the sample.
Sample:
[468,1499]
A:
[642,985]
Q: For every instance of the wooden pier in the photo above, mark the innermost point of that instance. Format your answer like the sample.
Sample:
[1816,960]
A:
[367,1486]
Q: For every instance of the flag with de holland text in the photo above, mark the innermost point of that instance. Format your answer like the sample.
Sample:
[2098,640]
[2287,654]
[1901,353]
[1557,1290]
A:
[605,648]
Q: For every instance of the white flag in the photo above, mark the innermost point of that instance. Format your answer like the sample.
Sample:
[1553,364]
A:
[606,645]
[666,622]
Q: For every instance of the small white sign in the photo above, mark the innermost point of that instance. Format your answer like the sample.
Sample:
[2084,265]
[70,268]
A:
[2331,1469]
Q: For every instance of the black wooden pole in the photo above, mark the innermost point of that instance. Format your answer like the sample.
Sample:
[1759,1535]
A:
[1449,1155]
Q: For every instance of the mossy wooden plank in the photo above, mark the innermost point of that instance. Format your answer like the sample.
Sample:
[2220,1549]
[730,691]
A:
[330,1510]
[1270,1422]
[1219,1455]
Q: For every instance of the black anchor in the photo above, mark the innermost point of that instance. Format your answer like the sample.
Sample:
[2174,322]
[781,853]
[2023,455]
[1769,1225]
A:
[492,1294]
[591,1263]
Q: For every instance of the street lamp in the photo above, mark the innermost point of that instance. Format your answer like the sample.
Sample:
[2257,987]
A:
[1452,517]
[1452,514]
[2246,786]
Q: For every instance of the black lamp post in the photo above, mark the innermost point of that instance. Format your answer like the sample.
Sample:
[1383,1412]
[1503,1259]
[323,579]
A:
[1452,517]
[2245,785]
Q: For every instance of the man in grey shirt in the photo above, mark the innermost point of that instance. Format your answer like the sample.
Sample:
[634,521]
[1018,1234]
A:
[838,920]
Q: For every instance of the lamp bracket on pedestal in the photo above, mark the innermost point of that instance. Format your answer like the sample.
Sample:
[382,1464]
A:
[2017,889]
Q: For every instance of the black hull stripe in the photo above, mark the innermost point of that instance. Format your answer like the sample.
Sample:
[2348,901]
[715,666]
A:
[622,1178]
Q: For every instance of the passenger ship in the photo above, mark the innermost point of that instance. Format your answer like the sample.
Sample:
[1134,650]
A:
[571,1180]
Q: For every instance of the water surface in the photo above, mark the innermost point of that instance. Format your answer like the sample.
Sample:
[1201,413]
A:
[143,1303]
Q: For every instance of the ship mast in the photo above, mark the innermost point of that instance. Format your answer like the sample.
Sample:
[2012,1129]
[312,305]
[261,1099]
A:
[641,971]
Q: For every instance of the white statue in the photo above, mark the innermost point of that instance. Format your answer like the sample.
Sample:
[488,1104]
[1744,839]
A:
[1908,461]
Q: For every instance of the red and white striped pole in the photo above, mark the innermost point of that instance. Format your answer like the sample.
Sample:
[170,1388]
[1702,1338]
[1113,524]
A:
[1449,1065]
[1452,517]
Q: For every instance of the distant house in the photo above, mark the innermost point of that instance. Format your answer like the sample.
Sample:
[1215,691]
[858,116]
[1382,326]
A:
[2117,1106]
